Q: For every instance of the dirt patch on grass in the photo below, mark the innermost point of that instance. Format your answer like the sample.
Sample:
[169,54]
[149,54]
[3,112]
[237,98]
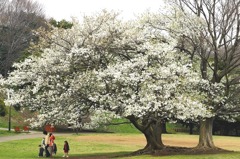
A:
[115,139]
[175,144]
[92,157]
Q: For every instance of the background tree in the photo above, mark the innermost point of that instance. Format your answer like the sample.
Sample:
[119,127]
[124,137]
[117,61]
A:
[17,20]
[61,24]
[2,107]
[2,5]
[226,128]
[2,104]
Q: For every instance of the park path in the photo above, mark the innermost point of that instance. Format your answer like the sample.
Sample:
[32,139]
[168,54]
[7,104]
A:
[24,135]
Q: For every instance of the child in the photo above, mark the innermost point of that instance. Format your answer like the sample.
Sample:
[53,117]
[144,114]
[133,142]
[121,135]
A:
[41,149]
[66,149]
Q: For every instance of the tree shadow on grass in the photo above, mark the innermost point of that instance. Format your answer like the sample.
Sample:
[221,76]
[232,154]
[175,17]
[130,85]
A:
[100,155]
[168,151]
[175,150]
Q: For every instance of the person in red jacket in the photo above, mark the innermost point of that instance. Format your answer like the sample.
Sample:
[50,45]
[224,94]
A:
[51,138]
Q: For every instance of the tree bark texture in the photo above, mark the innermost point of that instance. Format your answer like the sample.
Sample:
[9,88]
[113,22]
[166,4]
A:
[153,135]
[205,135]
[152,132]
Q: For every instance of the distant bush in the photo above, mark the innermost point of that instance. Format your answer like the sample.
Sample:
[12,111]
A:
[2,108]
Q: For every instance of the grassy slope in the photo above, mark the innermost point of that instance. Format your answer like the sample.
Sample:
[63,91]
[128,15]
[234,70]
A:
[120,128]
[17,118]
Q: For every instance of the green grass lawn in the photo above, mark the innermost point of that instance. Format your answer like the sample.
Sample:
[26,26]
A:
[90,145]
[6,133]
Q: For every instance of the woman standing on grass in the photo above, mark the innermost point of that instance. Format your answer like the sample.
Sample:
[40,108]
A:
[66,149]
[47,142]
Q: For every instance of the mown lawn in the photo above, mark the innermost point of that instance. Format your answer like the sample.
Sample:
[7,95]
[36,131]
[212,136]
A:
[96,145]
[6,133]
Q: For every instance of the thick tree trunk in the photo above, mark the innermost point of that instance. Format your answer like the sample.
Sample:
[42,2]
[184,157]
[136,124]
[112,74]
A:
[153,135]
[205,135]
[152,132]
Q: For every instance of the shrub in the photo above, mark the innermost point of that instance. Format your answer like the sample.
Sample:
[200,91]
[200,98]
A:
[2,108]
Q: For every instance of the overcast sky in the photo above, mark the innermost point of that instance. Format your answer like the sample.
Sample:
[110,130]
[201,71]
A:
[65,9]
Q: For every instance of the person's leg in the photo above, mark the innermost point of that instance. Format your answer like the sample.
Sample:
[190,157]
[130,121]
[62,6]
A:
[46,151]
[41,152]
[50,150]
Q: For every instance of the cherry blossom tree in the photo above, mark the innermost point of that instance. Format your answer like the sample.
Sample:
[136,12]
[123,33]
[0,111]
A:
[103,68]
